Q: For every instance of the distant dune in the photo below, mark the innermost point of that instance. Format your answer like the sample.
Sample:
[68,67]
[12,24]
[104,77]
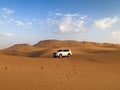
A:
[56,43]
[46,47]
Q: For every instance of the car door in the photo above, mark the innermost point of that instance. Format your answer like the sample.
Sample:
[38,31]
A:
[65,52]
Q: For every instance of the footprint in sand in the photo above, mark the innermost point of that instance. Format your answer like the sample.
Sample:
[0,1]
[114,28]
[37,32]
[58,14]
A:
[75,71]
[12,65]
[67,76]
[41,68]
[39,86]
[57,65]
[4,67]
[61,82]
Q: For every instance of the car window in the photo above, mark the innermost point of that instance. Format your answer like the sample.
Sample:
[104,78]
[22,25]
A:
[66,50]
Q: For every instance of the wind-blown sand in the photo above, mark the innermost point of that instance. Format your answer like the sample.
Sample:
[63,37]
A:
[97,68]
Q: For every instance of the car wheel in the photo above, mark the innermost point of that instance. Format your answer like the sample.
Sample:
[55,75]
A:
[68,55]
[60,56]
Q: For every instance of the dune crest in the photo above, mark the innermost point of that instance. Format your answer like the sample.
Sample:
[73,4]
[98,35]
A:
[20,46]
[46,47]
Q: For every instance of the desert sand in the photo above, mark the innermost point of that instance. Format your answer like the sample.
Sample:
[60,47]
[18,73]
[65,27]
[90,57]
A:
[93,66]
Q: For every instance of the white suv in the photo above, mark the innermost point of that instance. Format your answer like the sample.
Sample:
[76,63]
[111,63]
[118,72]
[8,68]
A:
[62,52]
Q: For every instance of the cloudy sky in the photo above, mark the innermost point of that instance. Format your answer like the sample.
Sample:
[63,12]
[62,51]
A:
[29,21]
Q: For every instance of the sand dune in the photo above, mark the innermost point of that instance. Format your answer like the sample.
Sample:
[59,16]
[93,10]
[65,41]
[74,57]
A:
[47,47]
[85,72]
[93,66]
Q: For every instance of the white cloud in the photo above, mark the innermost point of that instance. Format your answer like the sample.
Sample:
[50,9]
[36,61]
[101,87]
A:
[116,34]
[83,17]
[69,22]
[28,24]
[58,14]
[7,34]
[67,15]
[5,16]
[72,15]
[7,11]
[22,24]
[8,19]
[106,22]
[19,23]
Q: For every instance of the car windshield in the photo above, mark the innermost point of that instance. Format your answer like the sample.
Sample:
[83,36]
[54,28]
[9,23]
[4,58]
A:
[59,50]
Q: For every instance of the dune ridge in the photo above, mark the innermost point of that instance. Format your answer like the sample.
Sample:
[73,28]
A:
[45,48]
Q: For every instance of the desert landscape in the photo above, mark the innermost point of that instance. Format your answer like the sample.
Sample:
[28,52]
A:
[93,66]
[59,44]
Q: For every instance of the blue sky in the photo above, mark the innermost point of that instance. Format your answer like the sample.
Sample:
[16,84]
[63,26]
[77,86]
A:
[29,21]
